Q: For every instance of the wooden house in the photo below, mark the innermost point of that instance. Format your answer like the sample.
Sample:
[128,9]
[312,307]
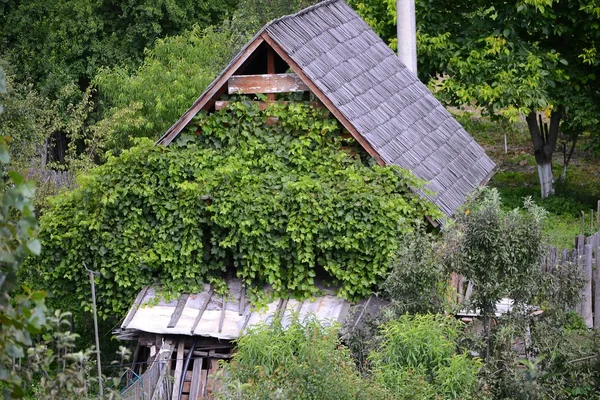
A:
[329,51]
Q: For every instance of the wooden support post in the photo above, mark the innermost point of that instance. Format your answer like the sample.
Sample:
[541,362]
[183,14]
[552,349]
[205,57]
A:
[270,68]
[598,216]
[92,282]
[163,358]
[195,387]
[597,281]
[179,375]
[586,302]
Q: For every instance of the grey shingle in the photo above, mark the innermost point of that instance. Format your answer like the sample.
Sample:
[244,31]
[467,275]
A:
[385,102]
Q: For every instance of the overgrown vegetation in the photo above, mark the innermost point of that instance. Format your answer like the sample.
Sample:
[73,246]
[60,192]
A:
[276,202]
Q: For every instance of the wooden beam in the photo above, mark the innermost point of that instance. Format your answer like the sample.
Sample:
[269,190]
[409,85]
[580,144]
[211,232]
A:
[267,83]
[196,385]
[263,105]
[324,99]
[270,68]
[202,309]
[214,89]
[178,310]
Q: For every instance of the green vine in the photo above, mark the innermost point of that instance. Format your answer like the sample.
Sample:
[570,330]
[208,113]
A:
[278,196]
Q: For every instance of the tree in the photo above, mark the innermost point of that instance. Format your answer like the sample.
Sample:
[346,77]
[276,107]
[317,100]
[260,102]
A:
[22,313]
[512,59]
[145,102]
[498,251]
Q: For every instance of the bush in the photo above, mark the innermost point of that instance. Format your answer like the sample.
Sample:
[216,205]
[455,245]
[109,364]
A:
[299,360]
[418,358]
[417,281]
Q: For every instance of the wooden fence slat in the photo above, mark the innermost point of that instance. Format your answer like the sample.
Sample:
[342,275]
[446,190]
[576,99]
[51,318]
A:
[586,301]
[597,281]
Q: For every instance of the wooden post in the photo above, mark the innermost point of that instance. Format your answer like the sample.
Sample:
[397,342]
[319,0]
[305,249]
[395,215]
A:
[582,223]
[578,260]
[179,375]
[99,364]
[196,385]
[598,216]
[597,282]
[586,302]
[270,68]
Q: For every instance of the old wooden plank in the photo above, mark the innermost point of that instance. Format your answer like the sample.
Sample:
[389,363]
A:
[222,319]
[164,362]
[586,301]
[196,385]
[578,259]
[242,305]
[266,83]
[597,283]
[270,68]
[215,89]
[263,105]
[134,308]
[324,99]
[178,375]
[202,309]
[178,310]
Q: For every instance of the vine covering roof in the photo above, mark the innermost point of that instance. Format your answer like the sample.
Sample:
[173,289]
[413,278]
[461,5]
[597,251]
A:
[363,80]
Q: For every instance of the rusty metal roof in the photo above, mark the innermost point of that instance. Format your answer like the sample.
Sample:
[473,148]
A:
[226,317]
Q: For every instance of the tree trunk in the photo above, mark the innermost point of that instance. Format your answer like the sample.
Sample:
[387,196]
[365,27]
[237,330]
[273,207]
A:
[544,140]
[567,156]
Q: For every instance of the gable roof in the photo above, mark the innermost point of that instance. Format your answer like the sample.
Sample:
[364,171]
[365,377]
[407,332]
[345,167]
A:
[363,83]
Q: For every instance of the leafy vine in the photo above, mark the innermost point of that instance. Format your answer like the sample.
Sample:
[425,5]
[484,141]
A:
[278,197]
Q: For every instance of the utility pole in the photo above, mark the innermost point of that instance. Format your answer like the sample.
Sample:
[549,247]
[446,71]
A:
[407,33]
[96,329]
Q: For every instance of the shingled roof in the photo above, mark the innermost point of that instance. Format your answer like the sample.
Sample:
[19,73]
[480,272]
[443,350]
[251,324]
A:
[364,84]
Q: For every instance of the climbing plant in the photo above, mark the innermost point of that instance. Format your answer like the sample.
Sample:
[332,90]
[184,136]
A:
[278,196]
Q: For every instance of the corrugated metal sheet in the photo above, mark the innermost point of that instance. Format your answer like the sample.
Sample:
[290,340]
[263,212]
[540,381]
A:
[224,317]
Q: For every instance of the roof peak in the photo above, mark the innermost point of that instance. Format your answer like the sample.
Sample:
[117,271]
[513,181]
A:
[303,11]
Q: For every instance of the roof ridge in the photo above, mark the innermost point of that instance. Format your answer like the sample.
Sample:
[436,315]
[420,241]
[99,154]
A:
[303,11]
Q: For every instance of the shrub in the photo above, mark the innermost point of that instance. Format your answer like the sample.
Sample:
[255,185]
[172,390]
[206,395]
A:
[299,360]
[418,358]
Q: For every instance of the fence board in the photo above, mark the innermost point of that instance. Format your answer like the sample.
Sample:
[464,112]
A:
[586,300]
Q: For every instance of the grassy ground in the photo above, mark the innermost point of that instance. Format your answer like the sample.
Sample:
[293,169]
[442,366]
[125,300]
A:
[517,177]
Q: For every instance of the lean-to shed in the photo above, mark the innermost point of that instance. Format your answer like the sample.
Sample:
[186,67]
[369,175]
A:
[334,54]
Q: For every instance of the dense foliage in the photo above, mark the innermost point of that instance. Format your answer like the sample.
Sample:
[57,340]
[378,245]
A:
[278,202]
[499,251]
[174,73]
[22,312]
[512,59]
[418,359]
[62,42]
[303,360]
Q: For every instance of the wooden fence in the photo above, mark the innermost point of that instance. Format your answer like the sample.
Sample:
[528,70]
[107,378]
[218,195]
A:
[586,255]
